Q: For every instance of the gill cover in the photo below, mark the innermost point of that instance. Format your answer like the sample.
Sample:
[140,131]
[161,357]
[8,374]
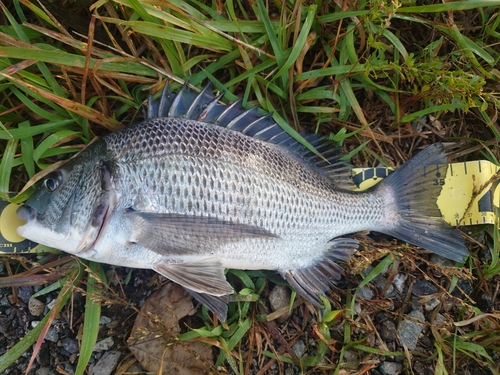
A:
[102,213]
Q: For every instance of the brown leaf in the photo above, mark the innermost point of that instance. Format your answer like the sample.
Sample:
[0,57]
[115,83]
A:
[154,341]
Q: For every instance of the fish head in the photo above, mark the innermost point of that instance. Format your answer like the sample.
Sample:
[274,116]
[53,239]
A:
[65,209]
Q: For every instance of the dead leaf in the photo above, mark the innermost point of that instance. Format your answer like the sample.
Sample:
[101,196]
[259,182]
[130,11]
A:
[154,342]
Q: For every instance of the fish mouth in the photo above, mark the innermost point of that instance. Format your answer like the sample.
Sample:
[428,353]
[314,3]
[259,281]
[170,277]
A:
[36,231]
[26,213]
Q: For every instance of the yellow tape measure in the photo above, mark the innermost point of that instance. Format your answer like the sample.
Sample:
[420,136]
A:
[461,182]
[468,196]
[10,241]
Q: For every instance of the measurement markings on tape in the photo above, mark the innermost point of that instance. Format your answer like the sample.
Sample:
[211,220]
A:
[460,182]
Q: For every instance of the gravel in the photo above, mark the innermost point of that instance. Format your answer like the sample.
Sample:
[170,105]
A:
[388,331]
[390,368]
[423,288]
[107,364]
[409,330]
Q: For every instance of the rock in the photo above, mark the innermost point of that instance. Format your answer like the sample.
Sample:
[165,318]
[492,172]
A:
[399,282]
[423,288]
[70,345]
[420,369]
[431,304]
[43,371]
[104,320]
[409,330]
[464,286]
[390,368]
[4,302]
[440,321]
[52,335]
[440,261]
[388,331]
[4,323]
[67,368]
[366,293]
[350,357]
[105,344]
[357,308]
[484,302]
[106,365]
[279,297]
[25,293]
[113,324]
[36,307]
[299,348]
[43,356]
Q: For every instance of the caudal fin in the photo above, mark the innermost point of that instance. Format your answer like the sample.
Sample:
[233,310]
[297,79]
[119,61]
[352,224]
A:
[416,186]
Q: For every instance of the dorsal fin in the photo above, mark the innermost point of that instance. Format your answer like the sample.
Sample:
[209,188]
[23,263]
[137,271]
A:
[205,107]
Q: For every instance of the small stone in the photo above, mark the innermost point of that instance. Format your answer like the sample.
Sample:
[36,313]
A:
[399,282]
[105,344]
[299,348]
[380,282]
[52,335]
[5,302]
[440,261]
[279,297]
[350,357]
[484,302]
[390,368]
[65,366]
[357,308]
[43,356]
[106,365]
[104,320]
[366,293]
[409,330]
[70,345]
[464,286]
[388,331]
[423,288]
[113,324]
[36,307]
[431,304]
[4,323]
[43,371]
[439,321]
[420,369]
[25,293]
[51,304]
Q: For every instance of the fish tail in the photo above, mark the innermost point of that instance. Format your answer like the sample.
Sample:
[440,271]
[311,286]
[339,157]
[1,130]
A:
[413,190]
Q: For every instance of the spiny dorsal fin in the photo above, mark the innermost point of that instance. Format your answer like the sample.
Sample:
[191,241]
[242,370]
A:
[205,107]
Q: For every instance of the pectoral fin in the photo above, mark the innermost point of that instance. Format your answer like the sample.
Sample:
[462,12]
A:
[176,234]
[203,275]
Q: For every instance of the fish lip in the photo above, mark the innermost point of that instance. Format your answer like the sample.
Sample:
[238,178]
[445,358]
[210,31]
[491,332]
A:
[26,213]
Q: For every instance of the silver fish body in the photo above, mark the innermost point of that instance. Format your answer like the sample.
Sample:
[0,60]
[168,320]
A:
[199,187]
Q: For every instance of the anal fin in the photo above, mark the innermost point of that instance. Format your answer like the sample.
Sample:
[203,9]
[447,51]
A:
[314,281]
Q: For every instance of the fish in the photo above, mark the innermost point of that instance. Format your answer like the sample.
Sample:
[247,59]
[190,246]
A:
[200,186]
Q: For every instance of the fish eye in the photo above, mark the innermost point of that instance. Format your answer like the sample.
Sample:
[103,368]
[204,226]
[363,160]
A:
[52,182]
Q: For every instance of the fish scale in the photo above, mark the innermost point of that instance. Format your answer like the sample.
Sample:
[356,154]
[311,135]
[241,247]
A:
[200,186]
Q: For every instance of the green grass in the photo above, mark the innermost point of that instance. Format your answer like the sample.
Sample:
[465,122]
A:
[369,76]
